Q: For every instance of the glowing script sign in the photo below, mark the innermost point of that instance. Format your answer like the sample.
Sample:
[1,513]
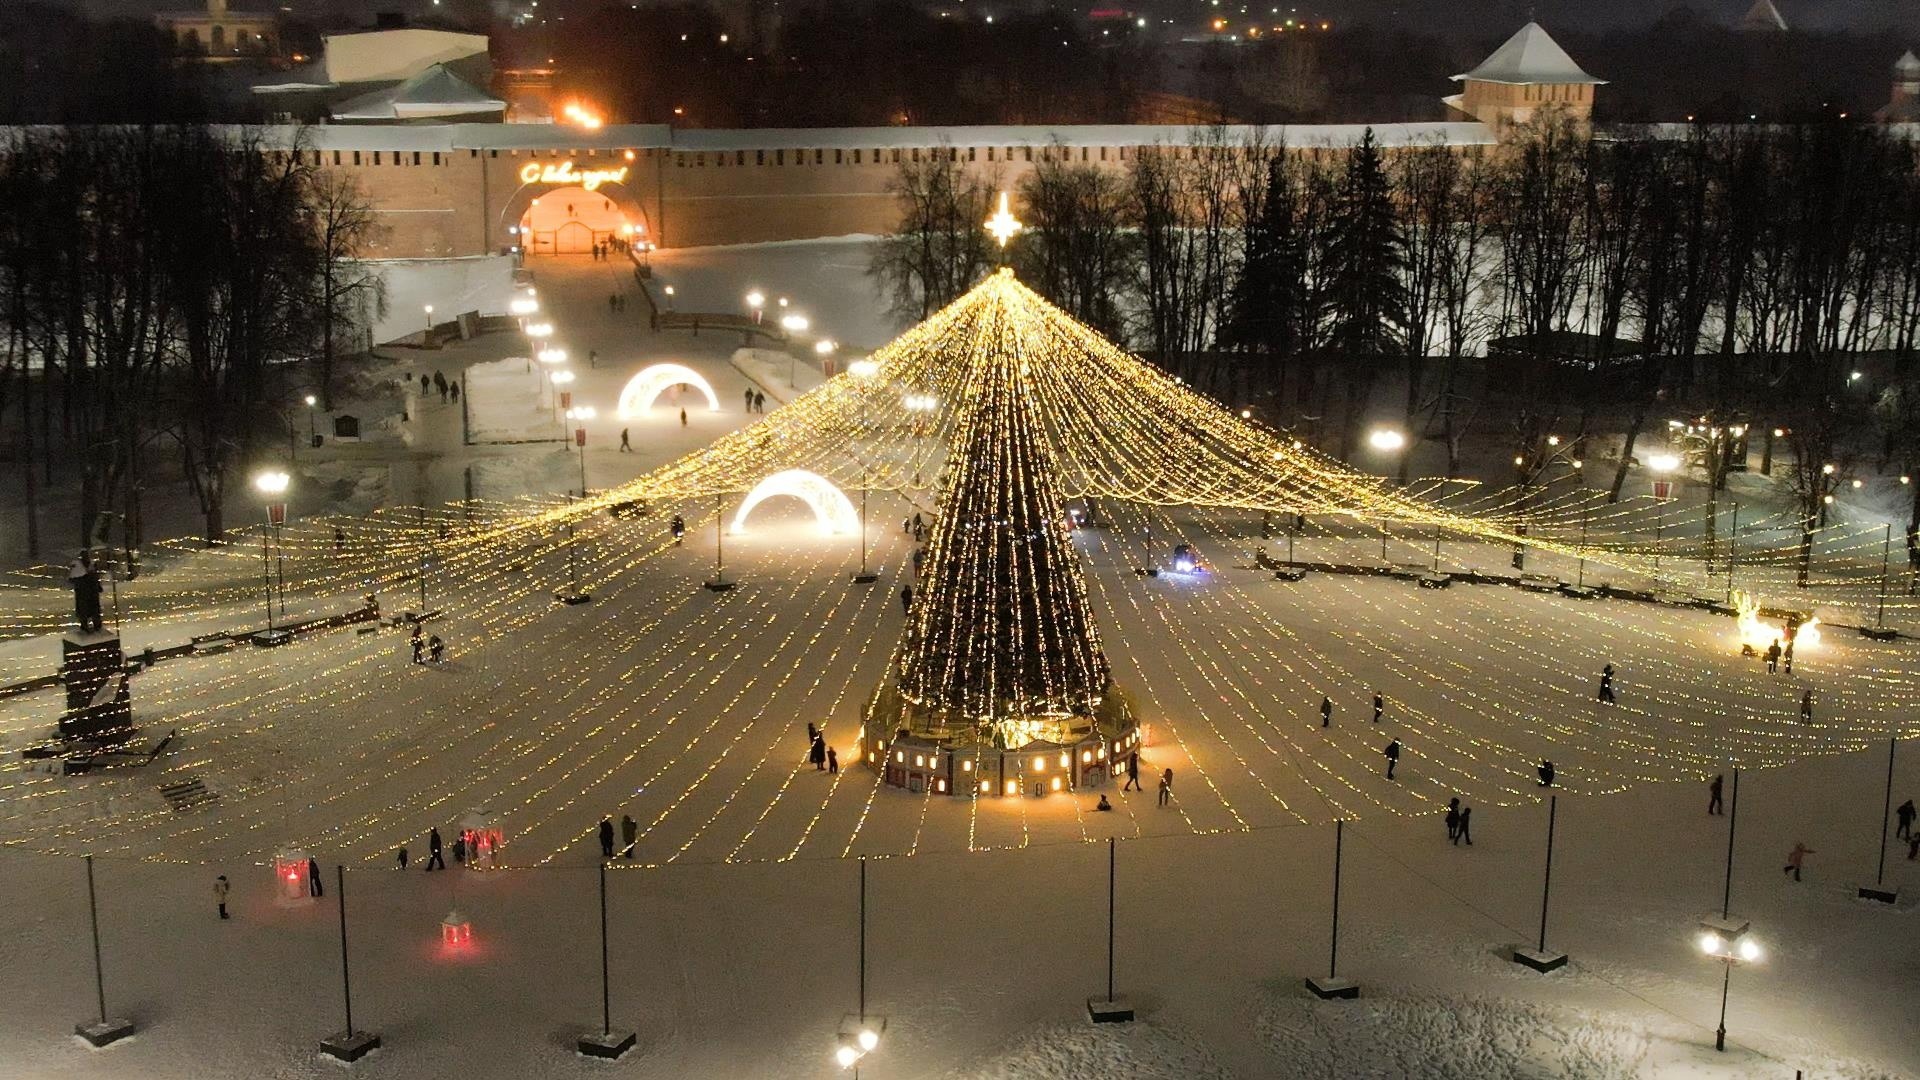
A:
[565,174]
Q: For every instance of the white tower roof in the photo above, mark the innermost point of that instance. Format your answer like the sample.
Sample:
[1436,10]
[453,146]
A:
[1763,16]
[1908,65]
[1529,56]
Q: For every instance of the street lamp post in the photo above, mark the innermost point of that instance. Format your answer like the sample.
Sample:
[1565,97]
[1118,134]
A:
[1664,465]
[429,310]
[822,349]
[755,301]
[1391,441]
[272,486]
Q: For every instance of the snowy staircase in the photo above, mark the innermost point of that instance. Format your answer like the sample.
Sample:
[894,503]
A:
[187,793]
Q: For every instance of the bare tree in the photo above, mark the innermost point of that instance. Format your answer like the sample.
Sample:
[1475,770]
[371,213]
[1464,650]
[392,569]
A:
[349,292]
[939,249]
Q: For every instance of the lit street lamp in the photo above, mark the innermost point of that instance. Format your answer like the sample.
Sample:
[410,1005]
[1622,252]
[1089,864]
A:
[1730,948]
[313,433]
[557,380]
[755,301]
[272,485]
[1663,465]
[429,309]
[1393,441]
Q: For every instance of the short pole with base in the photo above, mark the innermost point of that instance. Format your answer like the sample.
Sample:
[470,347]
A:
[1333,986]
[572,594]
[1112,1009]
[608,1043]
[1880,890]
[107,1029]
[865,576]
[349,1043]
[719,582]
[1540,959]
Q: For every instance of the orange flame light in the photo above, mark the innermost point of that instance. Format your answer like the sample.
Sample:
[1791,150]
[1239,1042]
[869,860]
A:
[581,116]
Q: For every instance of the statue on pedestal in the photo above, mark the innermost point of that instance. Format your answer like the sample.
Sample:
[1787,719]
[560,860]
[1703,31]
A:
[86,594]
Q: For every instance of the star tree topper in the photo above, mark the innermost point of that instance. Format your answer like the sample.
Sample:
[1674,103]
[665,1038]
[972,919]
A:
[1003,224]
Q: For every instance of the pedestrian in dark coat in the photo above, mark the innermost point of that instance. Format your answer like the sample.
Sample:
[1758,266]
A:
[435,861]
[833,761]
[1466,826]
[425,383]
[1133,773]
[683,416]
[1379,707]
[1393,757]
[629,835]
[1326,711]
[1546,773]
[1166,787]
[1713,795]
[419,644]
[626,447]
[817,754]
[1806,706]
[313,877]
[435,647]
[220,894]
[453,391]
[402,856]
[747,397]
[1606,684]
[606,838]
[460,850]
[1773,657]
[678,528]
[1453,820]
[906,599]
[1904,813]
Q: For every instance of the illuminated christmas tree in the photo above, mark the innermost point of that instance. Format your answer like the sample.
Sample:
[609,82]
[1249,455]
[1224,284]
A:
[1001,635]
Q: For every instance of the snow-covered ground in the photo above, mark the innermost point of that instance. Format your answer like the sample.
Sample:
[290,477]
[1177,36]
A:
[734,945]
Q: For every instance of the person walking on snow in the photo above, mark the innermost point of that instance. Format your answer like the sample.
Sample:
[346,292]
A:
[833,761]
[1133,773]
[460,849]
[1393,757]
[1606,684]
[435,647]
[1453,820]
[313,877]
[1773,657]
[453,391]
[817,754]
[678,529]
[1546,773]
[1806,706]
[606,838]
[629,835]
[220,894]
[435,861]
[1166,786]
[1795,858]
[1379,707]
[759,402]
[1904,813]
[418,643]
[683,416]
[906,599]
[402,856]
[1713,795]
[626,447]
[1326,711]
[747,397]
[1466,826]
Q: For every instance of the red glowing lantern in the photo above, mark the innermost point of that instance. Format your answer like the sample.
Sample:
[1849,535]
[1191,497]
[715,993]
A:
[290,881]
[455,931]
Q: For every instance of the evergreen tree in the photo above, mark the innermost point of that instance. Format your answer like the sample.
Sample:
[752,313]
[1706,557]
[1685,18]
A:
[1268,304]
[1365,294]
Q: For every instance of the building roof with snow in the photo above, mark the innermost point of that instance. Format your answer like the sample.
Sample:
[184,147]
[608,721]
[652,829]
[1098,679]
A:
[1530,56]
[1908,66]
[435,93]
[1764,16]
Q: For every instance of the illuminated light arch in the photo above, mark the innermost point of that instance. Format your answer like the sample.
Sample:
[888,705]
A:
[645,388]
[831,507]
